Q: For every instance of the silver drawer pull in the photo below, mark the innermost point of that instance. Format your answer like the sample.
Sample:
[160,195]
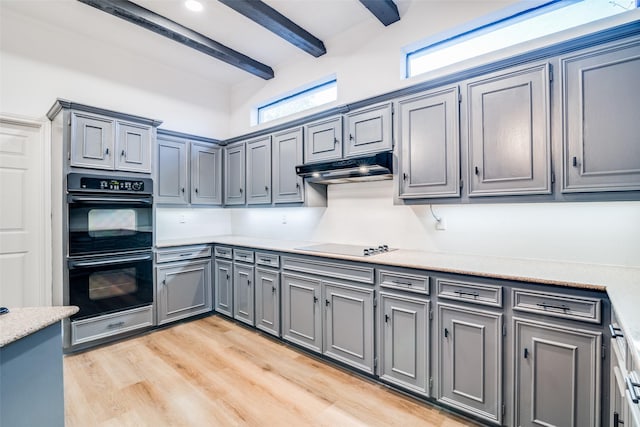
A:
[402,283]
[465,294]
[265,260]
[631,386]
[186,254]
[546,306]
[614,332]
[115,325]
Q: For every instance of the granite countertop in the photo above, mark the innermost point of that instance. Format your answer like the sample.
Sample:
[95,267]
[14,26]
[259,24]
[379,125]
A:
[621,283]
[24,321]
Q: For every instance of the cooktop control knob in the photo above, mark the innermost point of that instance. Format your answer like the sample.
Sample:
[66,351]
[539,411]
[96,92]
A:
[366,252]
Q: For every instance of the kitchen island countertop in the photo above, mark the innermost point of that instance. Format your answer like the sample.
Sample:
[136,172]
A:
[20,322]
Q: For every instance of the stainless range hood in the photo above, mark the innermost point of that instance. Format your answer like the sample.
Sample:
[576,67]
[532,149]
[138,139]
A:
[373,167]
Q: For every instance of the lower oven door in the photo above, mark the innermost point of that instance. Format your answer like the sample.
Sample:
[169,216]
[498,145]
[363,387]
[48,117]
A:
[108,284]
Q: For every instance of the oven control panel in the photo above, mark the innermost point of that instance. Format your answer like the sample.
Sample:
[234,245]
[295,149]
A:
[90,183]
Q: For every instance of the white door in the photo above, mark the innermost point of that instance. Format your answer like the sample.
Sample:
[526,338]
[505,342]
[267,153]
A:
[25,205]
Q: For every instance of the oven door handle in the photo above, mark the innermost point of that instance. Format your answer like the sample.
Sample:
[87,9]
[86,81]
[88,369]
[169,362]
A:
[92,199]
[80,264]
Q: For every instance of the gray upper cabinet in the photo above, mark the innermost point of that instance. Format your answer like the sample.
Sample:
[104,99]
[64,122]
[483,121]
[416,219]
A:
[259,171]
[172,172]
[368,130]
[428,140]
[557,375]
[288,187]
[301,315]
[234,167]
[469,353]
[323,140]
[206,174]
[133,147]
[92,141]
[509,133]
[601,105]
[223,286]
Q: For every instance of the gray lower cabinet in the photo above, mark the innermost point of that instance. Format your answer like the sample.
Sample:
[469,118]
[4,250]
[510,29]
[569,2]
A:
[223,287]
[557,375]
[508,132]
[184,290]
[259,171]
[243,293]
[429,145]
[288,187]
[301,315]
[348,324]
[368,130]
[323,140]
[234,172]
[206,174]
[92,141]
[600,104]
[469,360]
[268,300]
[403,333]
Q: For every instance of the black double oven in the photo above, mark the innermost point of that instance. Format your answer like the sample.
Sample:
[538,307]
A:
[109,241]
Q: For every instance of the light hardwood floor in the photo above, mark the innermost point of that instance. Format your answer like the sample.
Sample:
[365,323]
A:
[213,372]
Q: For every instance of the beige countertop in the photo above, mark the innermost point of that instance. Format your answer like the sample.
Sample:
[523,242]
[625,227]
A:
[622,284]
[24,321]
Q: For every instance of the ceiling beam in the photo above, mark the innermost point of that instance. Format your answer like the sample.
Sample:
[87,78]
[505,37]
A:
[165,27]
[385,10]
[263,14]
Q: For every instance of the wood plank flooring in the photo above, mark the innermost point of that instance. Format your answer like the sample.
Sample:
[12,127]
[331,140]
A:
[213,372]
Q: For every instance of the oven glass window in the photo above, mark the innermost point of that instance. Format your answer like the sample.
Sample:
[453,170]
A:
[112,222]
[110,284]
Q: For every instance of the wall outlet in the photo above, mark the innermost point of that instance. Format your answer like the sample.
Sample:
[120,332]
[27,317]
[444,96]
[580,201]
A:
[182,219]
[284,219]
[441,225]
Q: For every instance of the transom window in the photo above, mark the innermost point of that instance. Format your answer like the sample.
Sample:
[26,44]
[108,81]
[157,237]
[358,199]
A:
[547,18]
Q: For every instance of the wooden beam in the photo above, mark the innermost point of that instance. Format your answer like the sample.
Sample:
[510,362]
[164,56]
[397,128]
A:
[385,10]
[263,14]
[160,25]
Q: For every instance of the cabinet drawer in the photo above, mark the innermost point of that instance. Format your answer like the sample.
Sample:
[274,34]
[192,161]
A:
[243,255]
[223,252]
[270,260]
[113,324]
[400,280]
[558,305]
[183,253]
[475,293]
[336,270]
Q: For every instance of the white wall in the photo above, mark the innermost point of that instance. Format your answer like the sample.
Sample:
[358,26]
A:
[186,223]
[41,62]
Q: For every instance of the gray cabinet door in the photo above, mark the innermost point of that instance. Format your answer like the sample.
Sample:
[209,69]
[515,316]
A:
[469,368]
[368,130]
[206,174]
[404,341]
[243,293]
[92,141]
[323,140]
[301,316]
[348,325]
[259,171]
[268,301]
[288,187]
[429,145]
[171,172]
[509,133]
[234,163]
[557,375]
[601,108]
[183,290]
[133,147]
[223,285]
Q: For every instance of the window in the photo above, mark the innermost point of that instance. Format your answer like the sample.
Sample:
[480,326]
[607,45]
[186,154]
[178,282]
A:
[300,100]
[548,18]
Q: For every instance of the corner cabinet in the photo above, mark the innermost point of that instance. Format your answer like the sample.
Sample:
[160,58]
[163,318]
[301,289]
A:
[206,174]
[508,132]
[429,146]
[600,105]
[258,171]
[234,166]
[368,130]
[223,286]
[288,187]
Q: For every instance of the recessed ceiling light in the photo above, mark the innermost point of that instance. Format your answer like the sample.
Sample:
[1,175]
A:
[193,5]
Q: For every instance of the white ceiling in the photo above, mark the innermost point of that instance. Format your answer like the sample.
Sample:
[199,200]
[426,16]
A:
[325,19]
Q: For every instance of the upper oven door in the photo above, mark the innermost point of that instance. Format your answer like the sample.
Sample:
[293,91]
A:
[101,223]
